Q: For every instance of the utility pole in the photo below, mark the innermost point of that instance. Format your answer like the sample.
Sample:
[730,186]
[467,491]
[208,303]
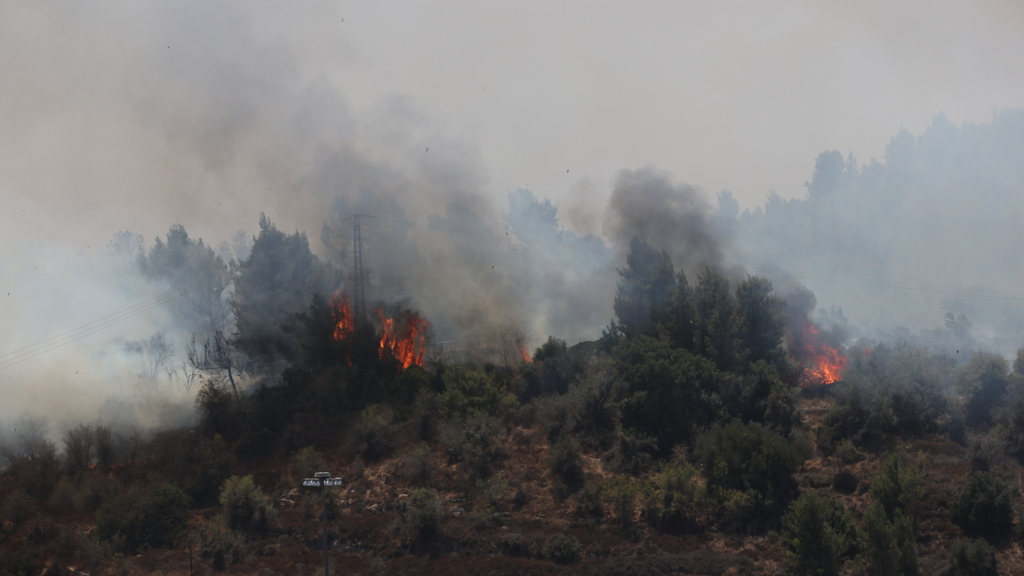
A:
[323,480]
[359,278]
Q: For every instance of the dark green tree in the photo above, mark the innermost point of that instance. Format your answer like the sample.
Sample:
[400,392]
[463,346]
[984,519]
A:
[890,546]
[670,391]
[273,285]
[821,535]
[144,517]
[750,459]
[644,286]
[983,381]
[715,320]
[760,324]
[984,507]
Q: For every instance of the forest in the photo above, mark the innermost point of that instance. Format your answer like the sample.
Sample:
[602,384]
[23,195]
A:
[714,428]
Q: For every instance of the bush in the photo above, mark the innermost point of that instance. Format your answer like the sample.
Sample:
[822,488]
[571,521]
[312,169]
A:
[890,547]
[78,447]
[145,517]
[750,459]
[374,434]
[513,545]
[566,464]
[897,487]
[467,392]
[588,503]
[821,535]
[469,442]
[221,547]
[18,507]
[85,491]
[307,462]
[198,465]
[681,496]
[561,548]
[246,507]
[984,507]
[972,557]
[423,513]
[492,493]
[625,496]
[845,482]
[633,453]
[415,465]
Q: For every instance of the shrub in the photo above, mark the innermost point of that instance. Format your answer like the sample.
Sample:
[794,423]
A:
[750,459]
[984,507]
[415,465]
[422,513]
[983,381]
[632,454]
[467,392]
[221,547]
[469,442]
[492,493]
[78,447]
[513,545]
[682,502]
[845,482]
[246,507]
[85,491]
[374,434]
[588,503]
[307,462]
[972,557]
[561,548]
[897,487]
[821,535]
[566,464]
[197,464]
[18,507]
[625,496]
[890,547]
[144,517]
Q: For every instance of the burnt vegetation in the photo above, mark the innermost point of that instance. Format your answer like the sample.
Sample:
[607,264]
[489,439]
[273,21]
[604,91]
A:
[684,425]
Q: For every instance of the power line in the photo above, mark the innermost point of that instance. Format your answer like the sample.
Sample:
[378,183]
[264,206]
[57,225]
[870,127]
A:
[54,342]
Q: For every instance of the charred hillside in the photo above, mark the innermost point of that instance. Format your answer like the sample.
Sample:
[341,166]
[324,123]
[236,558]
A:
[713,429]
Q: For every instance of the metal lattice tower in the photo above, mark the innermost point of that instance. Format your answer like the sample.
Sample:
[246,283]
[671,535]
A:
[360,279]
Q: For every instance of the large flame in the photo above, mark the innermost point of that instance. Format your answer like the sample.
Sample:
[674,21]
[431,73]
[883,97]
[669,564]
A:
[408,346]
[825,364]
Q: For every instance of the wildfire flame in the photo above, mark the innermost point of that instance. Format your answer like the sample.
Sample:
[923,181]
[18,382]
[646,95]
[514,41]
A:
[410,346]
[825,364]
[525,354]
[407,343]
[344,326]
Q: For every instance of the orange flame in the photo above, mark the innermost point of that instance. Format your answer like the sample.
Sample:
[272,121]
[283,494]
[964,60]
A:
[825,363]
[344,327]
[407,347]
[525,354]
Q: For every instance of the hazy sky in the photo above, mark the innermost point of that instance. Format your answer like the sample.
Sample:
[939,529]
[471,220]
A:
[557,96]
[738,94]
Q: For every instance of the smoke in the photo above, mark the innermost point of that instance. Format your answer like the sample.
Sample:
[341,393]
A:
[931,229]
[675,217]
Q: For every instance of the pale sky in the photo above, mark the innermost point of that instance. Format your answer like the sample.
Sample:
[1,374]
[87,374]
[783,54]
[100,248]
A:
[738,95]
[101,105]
